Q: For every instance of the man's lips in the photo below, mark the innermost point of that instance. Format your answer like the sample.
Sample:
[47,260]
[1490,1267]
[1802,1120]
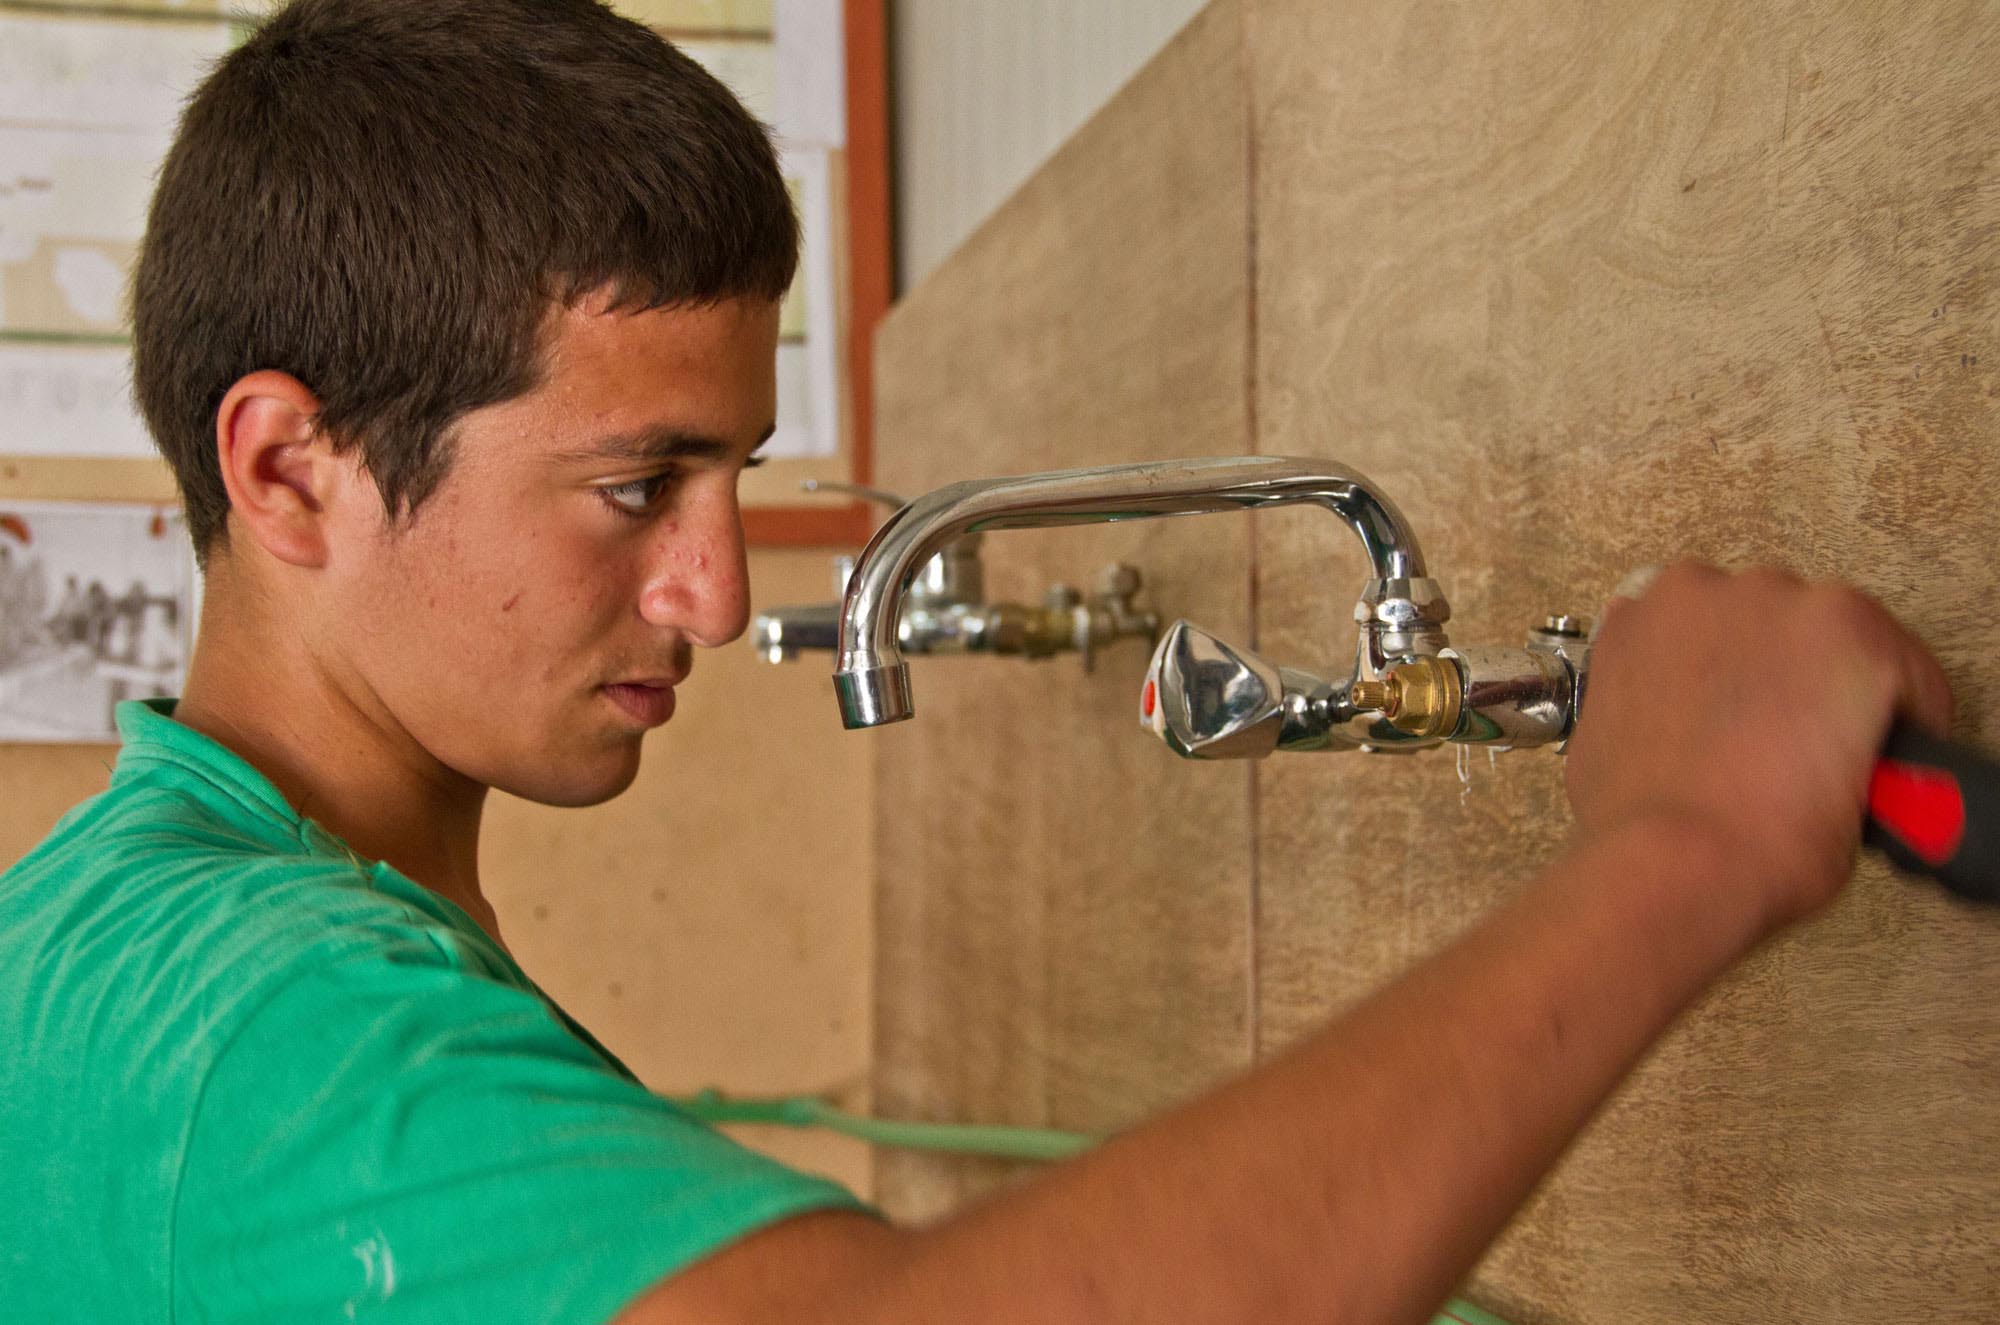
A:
[649,702]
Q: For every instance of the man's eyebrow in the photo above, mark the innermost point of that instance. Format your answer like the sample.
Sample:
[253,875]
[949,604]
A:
[658,444]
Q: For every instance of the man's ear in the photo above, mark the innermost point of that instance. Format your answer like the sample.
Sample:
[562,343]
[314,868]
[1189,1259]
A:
[278,467]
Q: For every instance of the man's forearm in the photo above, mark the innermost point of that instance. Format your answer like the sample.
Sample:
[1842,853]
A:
[1359,1176]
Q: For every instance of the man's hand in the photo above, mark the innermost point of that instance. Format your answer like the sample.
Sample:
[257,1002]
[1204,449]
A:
[1749,707]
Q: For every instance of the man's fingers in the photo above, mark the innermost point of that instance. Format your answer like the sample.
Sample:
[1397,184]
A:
[1636,582]
[1923,692]
[1629,590]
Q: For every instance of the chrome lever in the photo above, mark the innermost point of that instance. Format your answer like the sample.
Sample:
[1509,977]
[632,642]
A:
[1209,699]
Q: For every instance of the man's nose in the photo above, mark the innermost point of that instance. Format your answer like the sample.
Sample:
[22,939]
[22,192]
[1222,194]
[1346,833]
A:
[699,581]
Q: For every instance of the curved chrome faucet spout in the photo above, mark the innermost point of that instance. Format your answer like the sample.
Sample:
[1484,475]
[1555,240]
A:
[873,681]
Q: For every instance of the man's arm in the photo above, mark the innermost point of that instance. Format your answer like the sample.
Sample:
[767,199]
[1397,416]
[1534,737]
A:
[1358,1178]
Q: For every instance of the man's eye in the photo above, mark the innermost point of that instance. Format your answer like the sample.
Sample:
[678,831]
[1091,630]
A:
[640,495]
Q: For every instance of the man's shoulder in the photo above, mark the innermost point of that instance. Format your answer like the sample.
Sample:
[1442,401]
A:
[143,823]
[155,877]
[137,943]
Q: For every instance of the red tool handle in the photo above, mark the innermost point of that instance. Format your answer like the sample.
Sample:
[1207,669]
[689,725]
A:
[1934,809]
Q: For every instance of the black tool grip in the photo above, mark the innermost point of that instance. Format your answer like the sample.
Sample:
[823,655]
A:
[1934,809]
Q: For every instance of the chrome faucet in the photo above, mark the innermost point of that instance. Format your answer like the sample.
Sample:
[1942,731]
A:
[943,608]
[1206,698]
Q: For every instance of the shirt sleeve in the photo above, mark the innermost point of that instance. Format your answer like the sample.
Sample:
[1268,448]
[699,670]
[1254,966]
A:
[391,1138]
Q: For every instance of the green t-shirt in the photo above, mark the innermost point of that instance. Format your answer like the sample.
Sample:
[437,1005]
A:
[251,1077]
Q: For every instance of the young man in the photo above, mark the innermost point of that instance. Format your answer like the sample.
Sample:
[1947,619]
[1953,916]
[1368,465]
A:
[457,322]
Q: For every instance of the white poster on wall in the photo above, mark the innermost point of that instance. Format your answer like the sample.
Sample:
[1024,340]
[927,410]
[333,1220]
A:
[808,362]
[88,104]
[96,606]
[73,400]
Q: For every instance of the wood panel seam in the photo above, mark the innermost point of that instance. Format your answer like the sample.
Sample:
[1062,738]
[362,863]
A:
[1252,983]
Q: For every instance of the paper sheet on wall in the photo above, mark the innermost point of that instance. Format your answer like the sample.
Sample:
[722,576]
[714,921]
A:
[791,80]
[747,68]
[96,606]
[87,110]
[808,362]
[675,17]
[811,94]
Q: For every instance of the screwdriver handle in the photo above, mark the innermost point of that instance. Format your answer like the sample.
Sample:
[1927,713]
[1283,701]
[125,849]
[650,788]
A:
[1934,809]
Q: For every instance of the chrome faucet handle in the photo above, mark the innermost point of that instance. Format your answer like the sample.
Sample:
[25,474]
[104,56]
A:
[1211,700]
[878,495]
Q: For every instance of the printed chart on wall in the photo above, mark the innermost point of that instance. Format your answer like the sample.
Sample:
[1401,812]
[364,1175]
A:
[95,605]
[784,60]
[89,94]
[88,99]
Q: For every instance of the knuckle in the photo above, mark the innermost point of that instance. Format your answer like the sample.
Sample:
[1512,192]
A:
[1687,574]
[1676,585]
[1843,617]
[1770,579]
[1850,614]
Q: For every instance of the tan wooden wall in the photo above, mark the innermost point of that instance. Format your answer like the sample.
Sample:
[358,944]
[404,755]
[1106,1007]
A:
[1582,286]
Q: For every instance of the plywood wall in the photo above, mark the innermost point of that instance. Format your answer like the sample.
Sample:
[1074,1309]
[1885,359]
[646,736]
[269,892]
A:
[1025,830]
[1582,287]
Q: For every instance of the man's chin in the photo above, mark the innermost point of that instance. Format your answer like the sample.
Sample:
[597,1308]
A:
[577,787]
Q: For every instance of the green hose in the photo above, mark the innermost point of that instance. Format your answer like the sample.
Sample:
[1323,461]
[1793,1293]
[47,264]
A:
[1036,1143]
[1460,1312]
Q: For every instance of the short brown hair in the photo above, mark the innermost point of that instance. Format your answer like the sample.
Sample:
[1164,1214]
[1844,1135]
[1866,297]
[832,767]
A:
[385,199]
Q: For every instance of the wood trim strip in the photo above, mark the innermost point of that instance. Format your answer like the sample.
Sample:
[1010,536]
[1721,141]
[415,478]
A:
[808,526]
[870,238]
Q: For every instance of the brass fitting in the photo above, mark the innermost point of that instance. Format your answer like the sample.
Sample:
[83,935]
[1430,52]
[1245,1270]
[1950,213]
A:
[1037,632]
[1424,697]
[1372,696]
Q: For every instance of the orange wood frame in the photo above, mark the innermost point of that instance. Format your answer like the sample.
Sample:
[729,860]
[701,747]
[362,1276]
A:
[870,285]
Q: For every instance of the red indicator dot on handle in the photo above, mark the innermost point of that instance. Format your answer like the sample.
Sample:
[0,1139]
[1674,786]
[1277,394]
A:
[1922,806]
[1148,700]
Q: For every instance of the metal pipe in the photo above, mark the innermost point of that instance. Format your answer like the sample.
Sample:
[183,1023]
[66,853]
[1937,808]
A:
[873,681]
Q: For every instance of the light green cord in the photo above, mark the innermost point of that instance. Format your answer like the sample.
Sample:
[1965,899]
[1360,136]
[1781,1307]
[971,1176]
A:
[1036,1143]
